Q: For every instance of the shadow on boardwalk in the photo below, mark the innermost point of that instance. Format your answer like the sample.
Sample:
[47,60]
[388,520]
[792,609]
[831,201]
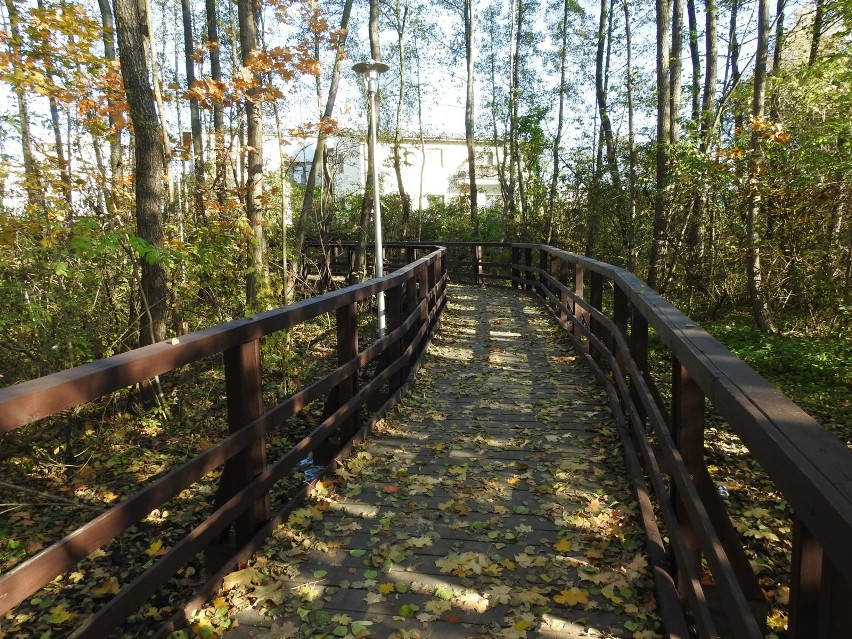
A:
[491,503]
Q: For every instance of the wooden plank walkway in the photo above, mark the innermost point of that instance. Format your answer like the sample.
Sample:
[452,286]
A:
[490,503]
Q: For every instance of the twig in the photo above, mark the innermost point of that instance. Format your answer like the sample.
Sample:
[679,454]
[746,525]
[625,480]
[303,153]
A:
[53,499]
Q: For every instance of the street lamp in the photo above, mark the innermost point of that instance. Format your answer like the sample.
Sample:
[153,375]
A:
[371,69]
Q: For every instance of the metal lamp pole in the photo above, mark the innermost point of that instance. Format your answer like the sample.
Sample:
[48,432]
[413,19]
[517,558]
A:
[371,69]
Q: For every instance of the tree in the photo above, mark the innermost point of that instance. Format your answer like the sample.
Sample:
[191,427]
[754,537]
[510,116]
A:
[218,110]
[256,276]
[32,173]
[322,133]
[400,20]
[663,20]
[194,110]
[148,169]
[754,271]
[469,132]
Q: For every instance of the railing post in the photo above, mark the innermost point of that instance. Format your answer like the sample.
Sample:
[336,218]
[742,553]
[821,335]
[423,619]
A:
[423,293]
[347,349]
[393,301]
[620,315]
[596,301]
[528,262]
[409,304]
[688,434]
[478,273]
[819,596]
[516,272]
[543,268]
[579,289]
[432,278]
[563,295]
[805,582]
[245,404]
[639,351]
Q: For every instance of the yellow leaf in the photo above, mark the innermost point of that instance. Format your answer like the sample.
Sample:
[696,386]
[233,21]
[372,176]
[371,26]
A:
[563,545]
[108,587]
[387,588]
[156,549]
[242,577]
[523,624]
[59,615]
[572,597]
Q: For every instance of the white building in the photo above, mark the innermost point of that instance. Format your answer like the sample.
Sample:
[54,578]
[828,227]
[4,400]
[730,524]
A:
[435,171]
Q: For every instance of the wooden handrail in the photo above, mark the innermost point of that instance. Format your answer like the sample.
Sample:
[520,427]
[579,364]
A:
[417,293]
[608,313]
[809,466]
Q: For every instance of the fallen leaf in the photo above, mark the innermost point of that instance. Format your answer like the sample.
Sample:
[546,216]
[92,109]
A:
[572,597]
[243,577]
[563,545]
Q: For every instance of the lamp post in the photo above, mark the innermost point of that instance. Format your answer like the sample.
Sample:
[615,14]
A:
[371,69]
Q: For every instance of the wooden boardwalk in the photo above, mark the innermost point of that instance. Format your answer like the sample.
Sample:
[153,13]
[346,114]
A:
[491,503]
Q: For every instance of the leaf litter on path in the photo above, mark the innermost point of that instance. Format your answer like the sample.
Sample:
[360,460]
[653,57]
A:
[490,503]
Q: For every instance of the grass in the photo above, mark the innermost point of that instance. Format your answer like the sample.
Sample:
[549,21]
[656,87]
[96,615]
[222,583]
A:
[815,372]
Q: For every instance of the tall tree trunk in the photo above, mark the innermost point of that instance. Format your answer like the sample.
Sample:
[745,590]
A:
[53,103]
[256,280]
[115,152]
[366,205]
[675,69]
[469,134]
[695,56]
[658,241]
[631,146]
[754,272]
[317,161]
[218,109]
[147,39]
[422,143]
[148,166]
[401,17]
[194,111]
[780,6]
[32,174]
[601,80]
[560,121]
[698,270]
[816,32]
[516,167]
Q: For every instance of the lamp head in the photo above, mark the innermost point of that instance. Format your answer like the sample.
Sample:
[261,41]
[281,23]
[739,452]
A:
[370,68]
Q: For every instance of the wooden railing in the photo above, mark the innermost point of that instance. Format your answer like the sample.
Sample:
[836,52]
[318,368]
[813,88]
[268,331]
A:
[415,297]
[697,559]
[664,450]
[705,583]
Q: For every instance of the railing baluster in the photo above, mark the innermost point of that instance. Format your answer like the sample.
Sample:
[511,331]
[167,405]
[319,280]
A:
[516,272]
[393,300]
[245,404]
[579,289]
[688,434]
[528,274]
[563,295]
[639,352]
[596,300]
[347,349]
[819,597]
[478,273]
[620,317]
